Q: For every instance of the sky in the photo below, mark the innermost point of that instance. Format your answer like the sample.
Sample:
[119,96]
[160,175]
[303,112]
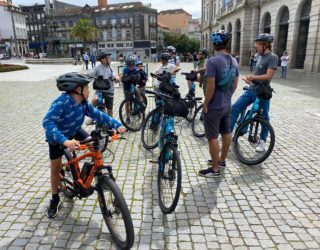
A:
[191,6]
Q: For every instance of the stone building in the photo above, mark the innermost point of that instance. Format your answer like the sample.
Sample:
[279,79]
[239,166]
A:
[294,24]
[13,30]
[177,20]
[121,28]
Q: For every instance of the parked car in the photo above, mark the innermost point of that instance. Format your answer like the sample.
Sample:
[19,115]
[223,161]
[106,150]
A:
[42,55]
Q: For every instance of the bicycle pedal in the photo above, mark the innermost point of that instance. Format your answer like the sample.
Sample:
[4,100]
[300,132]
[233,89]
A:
[154,162]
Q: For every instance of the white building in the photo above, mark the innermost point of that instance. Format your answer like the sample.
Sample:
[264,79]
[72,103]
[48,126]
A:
[13,29]
[294,24]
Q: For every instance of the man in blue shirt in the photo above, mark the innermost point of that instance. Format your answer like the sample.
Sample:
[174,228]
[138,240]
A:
[62,124]
[222,80]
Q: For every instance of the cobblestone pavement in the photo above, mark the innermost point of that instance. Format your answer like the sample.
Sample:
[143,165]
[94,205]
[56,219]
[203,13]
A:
[275,205]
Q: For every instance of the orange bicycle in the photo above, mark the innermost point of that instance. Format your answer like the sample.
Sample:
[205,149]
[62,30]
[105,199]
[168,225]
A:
[78,183]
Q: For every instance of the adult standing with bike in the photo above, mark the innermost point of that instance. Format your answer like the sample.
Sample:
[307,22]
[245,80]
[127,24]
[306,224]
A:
[266,66]
[222,77]
[105,71]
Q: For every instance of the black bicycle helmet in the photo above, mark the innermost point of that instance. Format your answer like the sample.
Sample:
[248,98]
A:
[164,56]
[264,37]
[69,81]
[130,62]
[220,38]
[102,54]
[204,51]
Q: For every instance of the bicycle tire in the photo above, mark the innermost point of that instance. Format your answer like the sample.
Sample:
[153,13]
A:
[103,142]
[105,183]
[192,110]
[239,133]
[177,178]
[67,180]
[141,114]
[195,121]
[145,126]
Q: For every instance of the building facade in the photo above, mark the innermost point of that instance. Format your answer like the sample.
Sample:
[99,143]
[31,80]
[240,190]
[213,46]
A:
[177,20]
[294,24]
[195,29]
[13,30]
[121,28]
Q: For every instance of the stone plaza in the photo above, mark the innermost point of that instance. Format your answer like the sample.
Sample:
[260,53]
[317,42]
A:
[275,205]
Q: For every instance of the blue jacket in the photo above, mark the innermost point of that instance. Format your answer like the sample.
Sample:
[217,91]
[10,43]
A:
[65,117]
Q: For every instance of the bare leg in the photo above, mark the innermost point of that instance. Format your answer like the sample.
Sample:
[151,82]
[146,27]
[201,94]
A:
[55,175]
[127,109]
[226,141]
[214,152]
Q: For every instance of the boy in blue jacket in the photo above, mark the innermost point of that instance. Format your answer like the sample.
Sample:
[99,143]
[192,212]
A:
[63,122]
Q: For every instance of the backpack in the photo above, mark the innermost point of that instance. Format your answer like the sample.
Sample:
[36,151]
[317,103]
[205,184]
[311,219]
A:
[224,83]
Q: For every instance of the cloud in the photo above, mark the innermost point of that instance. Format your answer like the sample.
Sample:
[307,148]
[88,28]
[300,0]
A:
[191,6]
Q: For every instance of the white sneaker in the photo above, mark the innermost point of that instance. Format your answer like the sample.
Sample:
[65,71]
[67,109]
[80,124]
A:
[89,121]
[261,146]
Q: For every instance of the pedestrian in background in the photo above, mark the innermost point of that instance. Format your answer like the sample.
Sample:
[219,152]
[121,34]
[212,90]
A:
[284,64]
[93,60]
[86,59]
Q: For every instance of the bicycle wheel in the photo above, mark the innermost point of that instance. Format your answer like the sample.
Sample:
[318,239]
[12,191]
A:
[115,212]
[197,124]
[150,130]
[66,182]
[192,106]
[246,139]
[169,179]
[136,115]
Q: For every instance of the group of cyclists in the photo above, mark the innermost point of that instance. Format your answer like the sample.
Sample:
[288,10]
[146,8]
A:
[218,76]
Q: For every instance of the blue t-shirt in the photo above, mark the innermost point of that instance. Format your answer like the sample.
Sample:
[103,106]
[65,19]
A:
[218,67]
[128,72]
[65,117]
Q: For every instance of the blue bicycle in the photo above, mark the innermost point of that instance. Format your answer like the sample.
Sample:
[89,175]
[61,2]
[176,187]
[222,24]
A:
[169,163]
[247,135]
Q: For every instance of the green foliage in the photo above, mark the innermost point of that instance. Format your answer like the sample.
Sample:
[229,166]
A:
[12,67]
[182,43]
[84,31]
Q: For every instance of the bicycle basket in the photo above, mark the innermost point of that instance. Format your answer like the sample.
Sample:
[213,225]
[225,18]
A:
[191,76]
[263,90]
[175,108]
[164,77]
[169,89]
[101,84]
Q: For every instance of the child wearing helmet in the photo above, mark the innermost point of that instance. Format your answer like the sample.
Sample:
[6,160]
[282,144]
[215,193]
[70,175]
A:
[142,76]
[222,80]
[104,70]
[174,60]
[62,125]
[266,66]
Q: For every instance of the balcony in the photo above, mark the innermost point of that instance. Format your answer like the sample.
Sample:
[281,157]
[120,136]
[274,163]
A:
[238,2]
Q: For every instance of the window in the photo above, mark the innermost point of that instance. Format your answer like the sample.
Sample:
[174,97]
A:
[128,21]
[110,45]
[102,46]
[119,34]
[101,35]
[38,16]
[128,34]
[128,45]
[119,45]
[63,24]
[137,19]
[137,33]
[70,24]
[109,35]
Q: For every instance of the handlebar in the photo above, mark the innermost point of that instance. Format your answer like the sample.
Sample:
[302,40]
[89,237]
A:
[158,94]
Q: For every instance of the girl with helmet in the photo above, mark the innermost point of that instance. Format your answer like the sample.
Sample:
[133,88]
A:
[266,66]
[104,70]
[222,80]
[62,124]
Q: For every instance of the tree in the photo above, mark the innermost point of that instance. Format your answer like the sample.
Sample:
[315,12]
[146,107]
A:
[182,43]
[84,31]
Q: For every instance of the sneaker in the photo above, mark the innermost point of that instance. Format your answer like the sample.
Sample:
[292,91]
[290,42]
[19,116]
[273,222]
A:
[209,173]
[222,164]
[128,120]
[53,208]
[261,146]
[89,122]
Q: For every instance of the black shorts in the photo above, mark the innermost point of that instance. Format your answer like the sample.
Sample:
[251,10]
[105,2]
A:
[217,121]
[56,150]
[108,98]
[127,94]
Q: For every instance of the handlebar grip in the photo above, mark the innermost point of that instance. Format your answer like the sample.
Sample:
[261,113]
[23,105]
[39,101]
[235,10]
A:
[198,98]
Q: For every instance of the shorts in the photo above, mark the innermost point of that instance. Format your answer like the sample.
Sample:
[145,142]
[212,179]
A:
[57,150]
[217,121]
[127,94]
[108,99]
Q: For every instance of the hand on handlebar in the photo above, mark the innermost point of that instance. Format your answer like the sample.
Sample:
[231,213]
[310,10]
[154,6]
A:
[248,79]
[72,145]
[121,130]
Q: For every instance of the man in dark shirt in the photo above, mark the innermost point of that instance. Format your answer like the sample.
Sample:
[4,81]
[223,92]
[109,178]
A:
[222,80]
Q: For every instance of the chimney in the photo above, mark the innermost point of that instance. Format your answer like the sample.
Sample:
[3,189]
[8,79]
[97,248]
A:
[102,3]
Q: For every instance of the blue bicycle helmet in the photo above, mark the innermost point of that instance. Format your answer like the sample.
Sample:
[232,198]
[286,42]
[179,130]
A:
[130,62]
[138,63]
[264,37]
[220,38]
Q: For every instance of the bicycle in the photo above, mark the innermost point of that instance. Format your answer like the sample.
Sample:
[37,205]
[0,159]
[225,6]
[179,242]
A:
[247,135]
[78,183]
[150,127]
[169,163]
[197,123]
[136,114]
